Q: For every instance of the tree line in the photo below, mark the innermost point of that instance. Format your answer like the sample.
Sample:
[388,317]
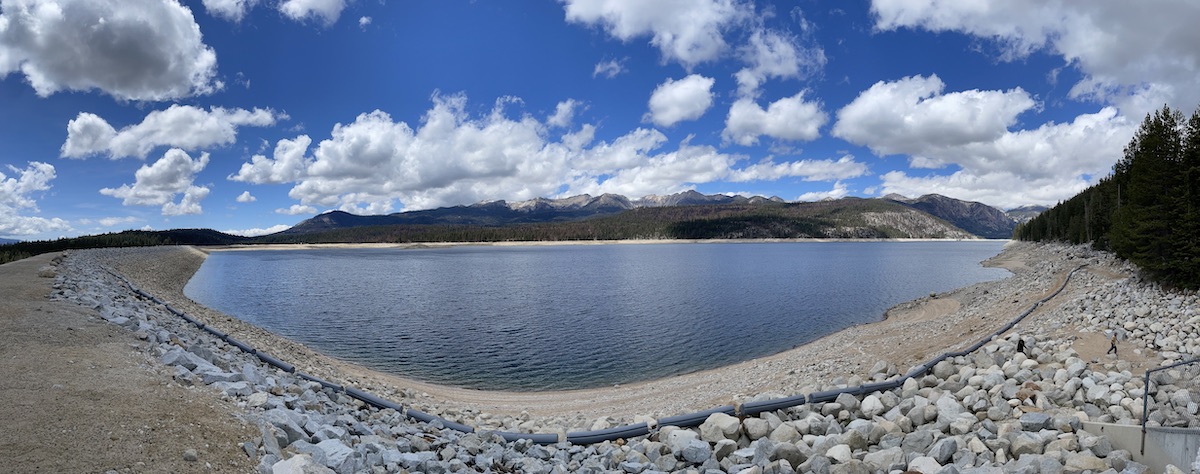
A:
[1147,211]
[841,218]
[129,238]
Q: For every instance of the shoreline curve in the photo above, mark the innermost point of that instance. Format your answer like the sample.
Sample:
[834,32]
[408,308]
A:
[804,369]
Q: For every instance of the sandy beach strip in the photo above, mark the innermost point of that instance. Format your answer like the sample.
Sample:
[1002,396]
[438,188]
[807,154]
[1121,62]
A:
[526,243]
[911,333]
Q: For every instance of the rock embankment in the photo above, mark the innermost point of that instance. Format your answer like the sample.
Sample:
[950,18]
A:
[1016,405]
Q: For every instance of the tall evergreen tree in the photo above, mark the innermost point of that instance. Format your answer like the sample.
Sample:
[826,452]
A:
[1148,210]
[1186,236]
[1145,218]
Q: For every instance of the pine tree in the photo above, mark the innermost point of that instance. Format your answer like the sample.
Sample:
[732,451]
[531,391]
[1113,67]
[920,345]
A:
[1186,236]
[1142,231]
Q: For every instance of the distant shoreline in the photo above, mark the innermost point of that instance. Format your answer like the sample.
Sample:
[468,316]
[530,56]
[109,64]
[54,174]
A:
[543,243]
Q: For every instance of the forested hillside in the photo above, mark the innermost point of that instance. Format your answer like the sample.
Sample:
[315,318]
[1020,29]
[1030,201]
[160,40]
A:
[843,218]
[1147,211]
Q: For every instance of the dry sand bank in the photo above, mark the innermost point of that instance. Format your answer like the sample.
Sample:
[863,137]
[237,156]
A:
[911,333]
[77,395]
[421,245]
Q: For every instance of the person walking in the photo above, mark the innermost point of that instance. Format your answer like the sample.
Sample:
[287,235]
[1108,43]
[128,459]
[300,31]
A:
[1112,344]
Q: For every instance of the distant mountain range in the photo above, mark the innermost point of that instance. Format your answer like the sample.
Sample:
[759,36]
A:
[964,219]
[687,215]
[8,241]
[501,213]
[1024,214]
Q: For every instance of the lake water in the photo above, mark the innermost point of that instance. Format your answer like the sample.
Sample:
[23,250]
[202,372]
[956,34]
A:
[575,316]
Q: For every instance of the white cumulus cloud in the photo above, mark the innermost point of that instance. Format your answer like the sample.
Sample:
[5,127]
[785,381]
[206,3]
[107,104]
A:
[789,118]
[775,54]
[1137,55]
[110,221]
[296,209]
[178,126]
[845,167]
[325,11]
[973,131]
[687,31]
[564,113]
[157,184]
[246,197]
[189,204]
[610,68]
[130,49]
[232,10]
[255,232]
[288,163]
[674,101]
[374,163]
[913,116]
[16,196]
[838,191]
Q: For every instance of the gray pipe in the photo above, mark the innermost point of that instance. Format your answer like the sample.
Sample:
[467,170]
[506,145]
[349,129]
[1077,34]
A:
[215,332]
[598,436]
[323,382]
[241,345]
[372,399]
[539,438]
[754,408]
[281,365]
[430,419]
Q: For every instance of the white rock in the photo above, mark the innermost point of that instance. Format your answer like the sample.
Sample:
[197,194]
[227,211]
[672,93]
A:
[257,399]
[840,453]
[872,406]
[924,465]
[299,464]
[677,440]
[756,428]
[720,426]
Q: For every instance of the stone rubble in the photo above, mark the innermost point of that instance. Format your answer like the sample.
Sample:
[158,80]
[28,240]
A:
[998,410]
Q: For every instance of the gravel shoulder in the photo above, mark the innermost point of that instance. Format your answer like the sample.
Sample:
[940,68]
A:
[911,333]
[77,396]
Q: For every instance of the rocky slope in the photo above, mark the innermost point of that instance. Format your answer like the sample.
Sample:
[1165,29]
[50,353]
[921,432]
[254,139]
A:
[1016,405]
[974,217]
[1023,214]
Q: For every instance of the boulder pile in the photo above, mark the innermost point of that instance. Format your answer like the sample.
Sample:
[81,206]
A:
[1015,406]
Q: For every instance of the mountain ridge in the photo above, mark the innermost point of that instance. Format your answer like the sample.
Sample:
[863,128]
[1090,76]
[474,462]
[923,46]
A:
[974,219]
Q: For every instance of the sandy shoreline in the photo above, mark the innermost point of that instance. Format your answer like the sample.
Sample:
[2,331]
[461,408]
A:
[911,333]
[526,243]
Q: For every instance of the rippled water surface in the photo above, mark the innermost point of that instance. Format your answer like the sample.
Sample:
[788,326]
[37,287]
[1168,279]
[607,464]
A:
[573,316]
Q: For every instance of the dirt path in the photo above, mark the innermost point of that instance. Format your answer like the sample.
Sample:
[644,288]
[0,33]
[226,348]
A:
[75,396]
[1093,346]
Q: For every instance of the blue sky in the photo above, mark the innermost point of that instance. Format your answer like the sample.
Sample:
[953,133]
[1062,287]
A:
[248,116]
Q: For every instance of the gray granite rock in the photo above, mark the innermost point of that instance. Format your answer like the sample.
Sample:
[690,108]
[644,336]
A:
[887,460]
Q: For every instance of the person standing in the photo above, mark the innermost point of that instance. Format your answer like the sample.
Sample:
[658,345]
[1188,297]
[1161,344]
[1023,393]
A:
[1112,344]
